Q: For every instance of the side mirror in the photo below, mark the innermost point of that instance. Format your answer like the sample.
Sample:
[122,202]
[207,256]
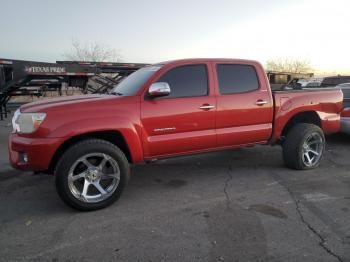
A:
[159,89]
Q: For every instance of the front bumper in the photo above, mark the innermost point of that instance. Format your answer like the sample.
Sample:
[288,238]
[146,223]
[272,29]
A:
[38,152]
[345,125]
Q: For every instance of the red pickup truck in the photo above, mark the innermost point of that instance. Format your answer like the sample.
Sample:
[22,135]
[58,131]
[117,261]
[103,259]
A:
[165,110]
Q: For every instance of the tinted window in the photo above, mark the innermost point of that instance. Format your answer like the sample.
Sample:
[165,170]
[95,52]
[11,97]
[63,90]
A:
[187,81]
[236,78]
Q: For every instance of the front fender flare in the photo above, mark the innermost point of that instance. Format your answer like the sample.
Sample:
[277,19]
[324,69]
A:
[130,131]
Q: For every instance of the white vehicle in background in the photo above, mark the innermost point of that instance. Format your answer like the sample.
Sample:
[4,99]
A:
[303,83]
[345,115]
[312,84]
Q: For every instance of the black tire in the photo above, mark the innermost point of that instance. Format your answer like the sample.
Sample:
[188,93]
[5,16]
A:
[72,154]
[293,146]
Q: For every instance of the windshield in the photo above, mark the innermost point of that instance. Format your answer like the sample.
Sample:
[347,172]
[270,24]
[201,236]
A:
[131,84]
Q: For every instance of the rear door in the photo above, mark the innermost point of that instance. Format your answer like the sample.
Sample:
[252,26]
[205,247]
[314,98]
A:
[184,121]
[244,104]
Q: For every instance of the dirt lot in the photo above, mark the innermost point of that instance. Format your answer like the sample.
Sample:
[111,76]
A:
[237,205]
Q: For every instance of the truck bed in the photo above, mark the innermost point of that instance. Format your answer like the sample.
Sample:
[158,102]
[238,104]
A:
[327,103]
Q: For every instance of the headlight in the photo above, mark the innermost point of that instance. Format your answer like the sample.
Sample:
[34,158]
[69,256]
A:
[27,123]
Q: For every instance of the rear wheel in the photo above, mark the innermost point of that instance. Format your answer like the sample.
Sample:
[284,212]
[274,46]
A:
[91,174]
[304,147]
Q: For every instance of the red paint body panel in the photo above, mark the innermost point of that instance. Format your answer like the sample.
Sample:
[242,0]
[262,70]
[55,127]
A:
[239,120]
[174,126]
[345,112]
[326,103]
[190,128]
[40,151]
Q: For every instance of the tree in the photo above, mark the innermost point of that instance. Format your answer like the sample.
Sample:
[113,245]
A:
[290,65]
[94,52]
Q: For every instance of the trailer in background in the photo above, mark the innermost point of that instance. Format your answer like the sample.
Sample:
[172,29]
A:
[30,78]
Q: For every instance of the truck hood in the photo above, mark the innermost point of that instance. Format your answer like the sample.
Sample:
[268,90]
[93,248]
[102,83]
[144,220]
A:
[60,102]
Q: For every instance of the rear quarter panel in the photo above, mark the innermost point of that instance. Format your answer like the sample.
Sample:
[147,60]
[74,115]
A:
[326,103]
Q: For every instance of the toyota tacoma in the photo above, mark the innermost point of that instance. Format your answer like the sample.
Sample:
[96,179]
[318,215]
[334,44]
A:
[164,110]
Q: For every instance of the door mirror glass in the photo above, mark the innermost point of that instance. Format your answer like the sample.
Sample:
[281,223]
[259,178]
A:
[159,89]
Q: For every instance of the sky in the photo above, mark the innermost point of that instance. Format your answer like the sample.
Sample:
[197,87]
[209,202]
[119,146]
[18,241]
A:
[158,30]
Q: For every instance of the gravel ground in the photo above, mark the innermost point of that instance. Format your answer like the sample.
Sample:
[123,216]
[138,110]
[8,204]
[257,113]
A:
[236,205]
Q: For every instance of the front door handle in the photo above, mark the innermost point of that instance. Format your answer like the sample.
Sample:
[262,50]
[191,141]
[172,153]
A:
[261,102]
[206,107]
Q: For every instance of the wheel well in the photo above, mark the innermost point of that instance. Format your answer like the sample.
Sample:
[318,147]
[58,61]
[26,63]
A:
[113,137]
[309,117]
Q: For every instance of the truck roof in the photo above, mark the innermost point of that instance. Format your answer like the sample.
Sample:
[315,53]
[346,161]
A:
[196,60]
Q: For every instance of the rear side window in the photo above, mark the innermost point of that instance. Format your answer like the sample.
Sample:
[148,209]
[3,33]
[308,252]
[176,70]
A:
[235,79]
[186,81]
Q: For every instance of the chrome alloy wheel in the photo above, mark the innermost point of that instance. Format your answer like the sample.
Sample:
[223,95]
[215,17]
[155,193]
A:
[94,177]
[312,149]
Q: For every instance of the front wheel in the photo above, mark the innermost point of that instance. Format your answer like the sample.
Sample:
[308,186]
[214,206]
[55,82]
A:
[304,147]
[91,174]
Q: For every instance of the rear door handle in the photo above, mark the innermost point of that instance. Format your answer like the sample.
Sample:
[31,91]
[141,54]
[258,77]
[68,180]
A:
[206,107]
[261,102]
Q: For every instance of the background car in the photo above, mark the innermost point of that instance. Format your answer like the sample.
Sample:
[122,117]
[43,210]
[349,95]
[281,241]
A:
[302,83]
[312,84]
[345,115]
[346,91]
[335,80]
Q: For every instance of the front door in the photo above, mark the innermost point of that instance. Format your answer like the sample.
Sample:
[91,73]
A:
[183,121]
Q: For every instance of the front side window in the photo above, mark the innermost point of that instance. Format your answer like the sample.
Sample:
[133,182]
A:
[235,78]
[186,81]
